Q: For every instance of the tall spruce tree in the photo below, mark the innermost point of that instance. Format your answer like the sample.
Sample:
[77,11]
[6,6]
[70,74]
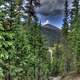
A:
[39,52]
[74,35]
[30,5]
[65,31]
[38,69]
[7,33]
[8,20]
[74,13]
[66,17]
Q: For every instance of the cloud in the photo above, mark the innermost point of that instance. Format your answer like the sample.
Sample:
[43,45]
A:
[46,22]
[50,19]
[52,7]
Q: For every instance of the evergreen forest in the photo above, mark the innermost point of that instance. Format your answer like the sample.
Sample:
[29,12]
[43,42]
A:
[24,52]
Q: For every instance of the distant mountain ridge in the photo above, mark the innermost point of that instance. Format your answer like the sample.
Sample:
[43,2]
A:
[51,27]
[52,33]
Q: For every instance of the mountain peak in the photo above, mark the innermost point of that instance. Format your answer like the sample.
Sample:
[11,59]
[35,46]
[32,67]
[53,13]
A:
[51,33]
[49,26]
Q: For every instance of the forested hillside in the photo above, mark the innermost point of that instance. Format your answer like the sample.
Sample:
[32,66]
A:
[30,51]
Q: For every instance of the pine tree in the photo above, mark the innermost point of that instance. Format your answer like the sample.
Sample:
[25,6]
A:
[38,68]
[7,40]
[65,30]
[74,35]
[74,13]
[56,60]
[31,4]
[66,23]
[37,53]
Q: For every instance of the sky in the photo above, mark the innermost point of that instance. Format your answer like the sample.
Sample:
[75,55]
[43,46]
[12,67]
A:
[56,20]
[52,12]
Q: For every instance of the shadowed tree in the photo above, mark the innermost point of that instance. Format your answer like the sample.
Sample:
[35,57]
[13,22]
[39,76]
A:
[74,35]
[30,5]
[66,22]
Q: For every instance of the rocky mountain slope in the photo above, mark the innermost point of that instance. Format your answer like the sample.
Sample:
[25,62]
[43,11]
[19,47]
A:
[51,33]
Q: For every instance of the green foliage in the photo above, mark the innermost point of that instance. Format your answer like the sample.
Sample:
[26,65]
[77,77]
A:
[74,41]
[75,13]
[71,38]
[23,54]
[57,66]
[74,36]
[7,44]
[39,53]
[66,22]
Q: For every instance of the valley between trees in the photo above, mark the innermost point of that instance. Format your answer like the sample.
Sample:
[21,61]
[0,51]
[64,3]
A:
[25,53]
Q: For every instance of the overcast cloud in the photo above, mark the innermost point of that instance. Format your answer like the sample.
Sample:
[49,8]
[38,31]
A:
[52,7]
